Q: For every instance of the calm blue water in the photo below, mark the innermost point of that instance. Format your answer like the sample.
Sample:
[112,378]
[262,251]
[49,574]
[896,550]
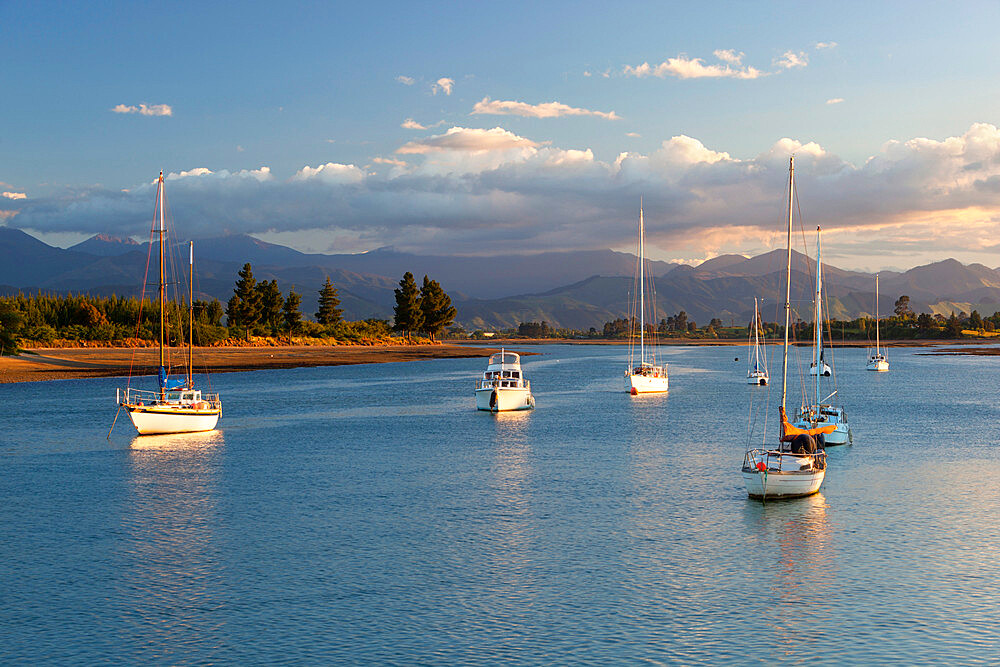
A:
[369,514]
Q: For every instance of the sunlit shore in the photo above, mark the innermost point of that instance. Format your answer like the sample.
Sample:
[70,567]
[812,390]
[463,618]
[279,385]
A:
[65,363]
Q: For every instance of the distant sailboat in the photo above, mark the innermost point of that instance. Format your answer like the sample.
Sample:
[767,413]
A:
[821,412]
[757,371]
[877,360]
[641,376]
[797,465]
[176,406]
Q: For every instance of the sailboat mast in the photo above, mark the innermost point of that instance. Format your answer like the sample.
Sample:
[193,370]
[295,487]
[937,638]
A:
[756,341]
[788,281]
[876,315]
[642,280]
[162,286]
[191,317]
[820,364]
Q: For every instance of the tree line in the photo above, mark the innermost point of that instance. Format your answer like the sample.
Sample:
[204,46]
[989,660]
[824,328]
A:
[255,308]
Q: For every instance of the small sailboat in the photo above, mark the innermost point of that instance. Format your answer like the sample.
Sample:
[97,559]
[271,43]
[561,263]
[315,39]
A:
[877,360]
[797,465]
[822,412]
[176,406]
[503,385]
[757,371]
[642,376]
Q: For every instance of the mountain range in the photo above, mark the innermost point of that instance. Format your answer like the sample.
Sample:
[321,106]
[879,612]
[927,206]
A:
[572,289]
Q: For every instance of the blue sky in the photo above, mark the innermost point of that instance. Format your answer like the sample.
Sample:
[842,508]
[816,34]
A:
[287,121]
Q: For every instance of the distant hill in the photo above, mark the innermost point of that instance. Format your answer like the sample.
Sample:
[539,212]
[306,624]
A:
[105,245]
[575,289]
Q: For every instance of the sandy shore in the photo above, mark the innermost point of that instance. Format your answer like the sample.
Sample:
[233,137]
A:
[64,363]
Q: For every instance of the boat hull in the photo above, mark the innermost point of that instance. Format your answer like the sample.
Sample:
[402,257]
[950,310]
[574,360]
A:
[646,384]
[757,378]
[780,485]
[827,371]
[149,421]
[878,366]
[504,399]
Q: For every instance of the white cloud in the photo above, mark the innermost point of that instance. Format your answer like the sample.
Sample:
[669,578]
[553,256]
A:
[411,124]
[14,195]
[144,109]
[405,80]
[543,110]
[835,100]
[239,149]
[331,172]
[586,73]
[729,56]
[632,134]
[825,45]
[791,60]
[468,189]
[683,67]
[443,85]
[467,139]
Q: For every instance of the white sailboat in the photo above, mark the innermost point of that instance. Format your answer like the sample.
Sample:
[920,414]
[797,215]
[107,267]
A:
[642,376]
[176,406]
[821,412]
[797,465]
[757,370]
[877,360]
[503,386]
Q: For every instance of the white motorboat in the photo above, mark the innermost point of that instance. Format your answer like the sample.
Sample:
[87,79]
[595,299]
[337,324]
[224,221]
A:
[176,406]
[503,386]
[757,370]
[796,466]
[821,412]
[877,359]
[643,376]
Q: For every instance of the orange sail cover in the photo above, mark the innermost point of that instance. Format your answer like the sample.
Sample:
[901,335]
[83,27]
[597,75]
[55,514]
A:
[789,431]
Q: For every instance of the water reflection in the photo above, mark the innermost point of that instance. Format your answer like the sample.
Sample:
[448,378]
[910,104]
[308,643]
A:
[509,535]
[804,575]
[172,580]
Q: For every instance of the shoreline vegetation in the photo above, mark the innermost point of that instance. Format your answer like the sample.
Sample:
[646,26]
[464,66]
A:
[52,336]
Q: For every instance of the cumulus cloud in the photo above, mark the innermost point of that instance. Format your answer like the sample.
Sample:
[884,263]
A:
[466,139]
[835,100]
[632,134]
[331,172]
[543,110]
[410,124]
[683,67]
[443,85]
[468,189]
[405,80]
[792,60]
[825,45]
[145,109]
[729,56]
[14,195]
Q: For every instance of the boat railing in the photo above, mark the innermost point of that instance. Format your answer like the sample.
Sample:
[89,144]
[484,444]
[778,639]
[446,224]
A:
[753,459]
[141,397]
[503,383]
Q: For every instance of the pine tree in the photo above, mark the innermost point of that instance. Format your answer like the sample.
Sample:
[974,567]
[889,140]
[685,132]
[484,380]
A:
[244,307]
[436,307]
[407,312]
[270,300]
[291,318]
[328,312]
